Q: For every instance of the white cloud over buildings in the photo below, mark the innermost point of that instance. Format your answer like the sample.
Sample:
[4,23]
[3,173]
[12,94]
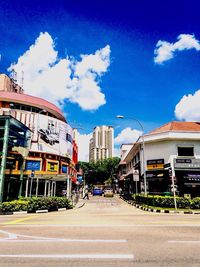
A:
[55,79]
[188,108]
[127,135]
[165,51]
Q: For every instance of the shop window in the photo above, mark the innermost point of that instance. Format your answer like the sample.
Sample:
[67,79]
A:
[185,151]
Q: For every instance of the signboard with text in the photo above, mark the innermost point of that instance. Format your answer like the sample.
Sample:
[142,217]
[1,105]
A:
[52,166]
[64,169]
[155,164]
[186,163]
[33,165]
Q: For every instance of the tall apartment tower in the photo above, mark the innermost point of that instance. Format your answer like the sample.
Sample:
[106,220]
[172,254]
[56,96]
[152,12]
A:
[101,144]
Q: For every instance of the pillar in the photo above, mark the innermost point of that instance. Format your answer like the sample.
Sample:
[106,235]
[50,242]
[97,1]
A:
[3,159]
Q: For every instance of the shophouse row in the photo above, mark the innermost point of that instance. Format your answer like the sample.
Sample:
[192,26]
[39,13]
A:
[167,159]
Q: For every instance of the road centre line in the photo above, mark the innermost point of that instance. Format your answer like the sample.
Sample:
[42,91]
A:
[184,241]
[72,256]
[21,220]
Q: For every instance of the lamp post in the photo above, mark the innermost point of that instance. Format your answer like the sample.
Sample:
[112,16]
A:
[143,149]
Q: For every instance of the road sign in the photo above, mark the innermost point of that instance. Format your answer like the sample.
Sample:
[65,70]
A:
[136,175]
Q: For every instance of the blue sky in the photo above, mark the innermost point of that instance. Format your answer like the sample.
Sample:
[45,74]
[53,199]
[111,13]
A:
[122,35]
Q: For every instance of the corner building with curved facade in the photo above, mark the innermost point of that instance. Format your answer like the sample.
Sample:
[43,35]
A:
[49,166]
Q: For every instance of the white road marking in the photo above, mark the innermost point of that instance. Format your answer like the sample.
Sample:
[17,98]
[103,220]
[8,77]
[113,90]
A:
[61,240]
[10,235]
[14,238]
[104,226]
[71,256]
[184,241]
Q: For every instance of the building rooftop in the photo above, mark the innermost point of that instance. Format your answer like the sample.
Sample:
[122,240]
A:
[178,126]
[32,101]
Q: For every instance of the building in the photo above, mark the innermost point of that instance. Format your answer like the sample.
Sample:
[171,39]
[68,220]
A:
[123,167]
[172,154]
[101,144]
[49,167]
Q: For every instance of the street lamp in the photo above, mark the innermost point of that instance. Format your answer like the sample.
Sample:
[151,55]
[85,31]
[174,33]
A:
[143,149]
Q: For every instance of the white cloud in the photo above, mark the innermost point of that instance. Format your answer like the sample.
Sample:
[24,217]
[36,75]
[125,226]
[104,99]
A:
[56,79]
[83,146]
[165,50]
[127,135]
[188,108]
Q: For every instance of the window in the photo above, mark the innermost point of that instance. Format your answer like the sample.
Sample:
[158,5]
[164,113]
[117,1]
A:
[185,151]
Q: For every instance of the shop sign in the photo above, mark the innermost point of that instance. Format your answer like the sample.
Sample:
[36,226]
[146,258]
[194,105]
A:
[155,175]
[192,177]
[186,163]
[155,164]
[183,160]
[10,164]
[52,166]
[33,165]
[64,169]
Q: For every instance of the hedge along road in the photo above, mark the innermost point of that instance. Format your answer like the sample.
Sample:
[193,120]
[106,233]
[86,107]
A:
[104,232]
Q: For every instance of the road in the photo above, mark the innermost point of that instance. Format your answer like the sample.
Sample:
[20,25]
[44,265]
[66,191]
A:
[104,232]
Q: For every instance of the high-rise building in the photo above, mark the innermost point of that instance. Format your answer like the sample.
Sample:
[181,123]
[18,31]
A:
[101,144]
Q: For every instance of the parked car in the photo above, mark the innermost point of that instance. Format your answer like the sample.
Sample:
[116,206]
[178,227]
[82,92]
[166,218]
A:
[108,192]
[97,192]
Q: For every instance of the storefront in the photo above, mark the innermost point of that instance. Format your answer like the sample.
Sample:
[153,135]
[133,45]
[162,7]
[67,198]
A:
[13,134]
[157,177]
[158,181]
[187,176]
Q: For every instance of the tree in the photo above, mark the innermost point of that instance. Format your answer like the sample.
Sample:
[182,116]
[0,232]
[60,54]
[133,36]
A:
[101,172]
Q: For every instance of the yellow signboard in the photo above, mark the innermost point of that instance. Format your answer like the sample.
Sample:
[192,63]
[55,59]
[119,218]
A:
[52,166]
[155,166]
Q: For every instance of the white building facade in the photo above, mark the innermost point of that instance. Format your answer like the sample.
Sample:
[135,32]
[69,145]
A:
[171,152]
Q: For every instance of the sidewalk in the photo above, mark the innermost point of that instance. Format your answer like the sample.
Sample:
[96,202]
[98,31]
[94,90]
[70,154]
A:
[81,202]
[133,203]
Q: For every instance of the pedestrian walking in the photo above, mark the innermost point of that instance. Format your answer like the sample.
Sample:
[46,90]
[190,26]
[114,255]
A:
[86,194]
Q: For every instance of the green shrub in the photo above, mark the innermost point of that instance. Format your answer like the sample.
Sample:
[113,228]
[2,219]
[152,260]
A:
[36,203]
[49,203]
[15,205]
[195,203]
[166,201]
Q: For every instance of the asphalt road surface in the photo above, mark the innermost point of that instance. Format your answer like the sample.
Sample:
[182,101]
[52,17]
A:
[104,232]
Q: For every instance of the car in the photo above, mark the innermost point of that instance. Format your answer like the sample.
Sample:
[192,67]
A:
[97,192]
[48,137]
[108,192]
